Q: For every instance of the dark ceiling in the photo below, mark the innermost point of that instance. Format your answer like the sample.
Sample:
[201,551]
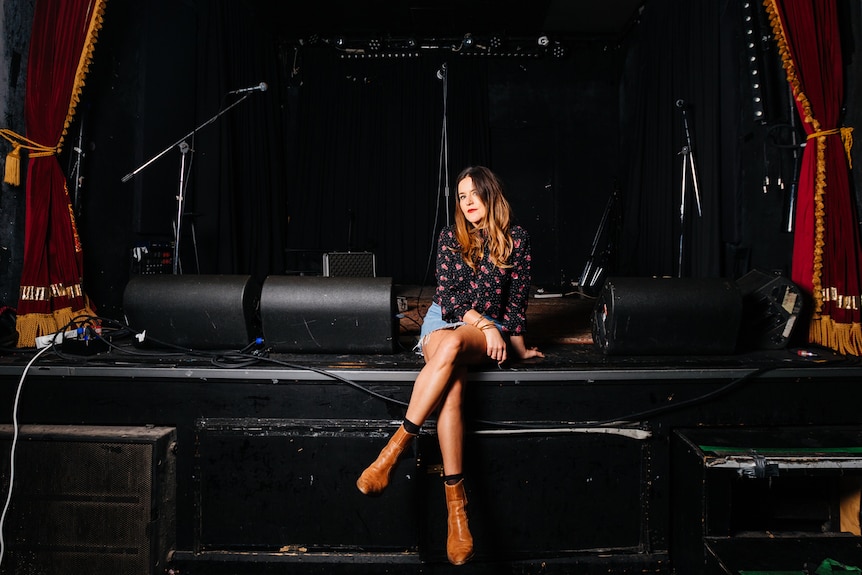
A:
[428,18]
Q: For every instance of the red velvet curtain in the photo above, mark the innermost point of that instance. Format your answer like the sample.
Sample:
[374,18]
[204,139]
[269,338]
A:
[61,45]
[826,250]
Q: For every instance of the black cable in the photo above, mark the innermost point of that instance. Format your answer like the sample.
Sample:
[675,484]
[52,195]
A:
[634,417]
[245,358]
[336,377]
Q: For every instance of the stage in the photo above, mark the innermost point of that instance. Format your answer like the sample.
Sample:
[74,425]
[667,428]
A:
[578,462]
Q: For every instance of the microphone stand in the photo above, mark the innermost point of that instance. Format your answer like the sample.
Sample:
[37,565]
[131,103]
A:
[443,74]
[79,180]
[184,149]
[594,269]
[790,208]
[181,193]
[688,172]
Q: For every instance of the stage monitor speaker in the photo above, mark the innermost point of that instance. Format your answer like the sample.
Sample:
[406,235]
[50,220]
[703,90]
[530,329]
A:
[99,500]
[667,316]
[309,314]
[194,311]
[770,307]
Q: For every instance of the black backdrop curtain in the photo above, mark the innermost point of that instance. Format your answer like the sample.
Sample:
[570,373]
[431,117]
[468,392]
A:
[241,180]
[337,154]
[679,56]
[345,154]
[371,174]
[352,150]
[167,74]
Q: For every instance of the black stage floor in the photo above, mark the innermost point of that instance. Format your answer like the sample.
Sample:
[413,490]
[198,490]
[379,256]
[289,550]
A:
[559,325]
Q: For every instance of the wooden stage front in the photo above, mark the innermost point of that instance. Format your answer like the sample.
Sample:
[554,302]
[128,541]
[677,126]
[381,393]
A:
[581,462]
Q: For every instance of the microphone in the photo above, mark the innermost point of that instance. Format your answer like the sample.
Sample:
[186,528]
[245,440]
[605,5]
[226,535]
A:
[441,73]
[262,87]
[680,103]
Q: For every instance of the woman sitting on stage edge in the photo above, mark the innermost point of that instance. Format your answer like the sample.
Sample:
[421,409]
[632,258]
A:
[478,314]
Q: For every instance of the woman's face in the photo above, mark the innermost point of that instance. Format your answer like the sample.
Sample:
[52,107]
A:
[470,202]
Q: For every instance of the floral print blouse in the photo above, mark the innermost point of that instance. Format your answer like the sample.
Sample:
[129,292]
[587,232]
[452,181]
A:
[500,294]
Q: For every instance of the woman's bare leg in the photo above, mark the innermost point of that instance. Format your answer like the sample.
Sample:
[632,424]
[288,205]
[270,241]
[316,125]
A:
[450,424]
[447,359]
[439,383]
[446,351]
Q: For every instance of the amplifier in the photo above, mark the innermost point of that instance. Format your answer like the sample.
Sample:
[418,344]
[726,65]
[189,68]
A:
[770,307]
[350,264]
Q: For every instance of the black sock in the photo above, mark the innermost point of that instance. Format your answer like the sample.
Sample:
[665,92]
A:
[410,427]
[453,479]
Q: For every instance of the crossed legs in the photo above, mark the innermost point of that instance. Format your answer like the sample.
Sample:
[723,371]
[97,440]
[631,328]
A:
[440,384]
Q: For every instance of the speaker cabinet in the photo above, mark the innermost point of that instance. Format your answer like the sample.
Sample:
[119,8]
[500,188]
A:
[764,500]
[89,499]
[770,307]
[194,311]
[273,483]
[667,316]
[310,314]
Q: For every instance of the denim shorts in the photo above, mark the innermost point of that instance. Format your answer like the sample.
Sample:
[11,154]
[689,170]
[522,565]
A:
[434,320]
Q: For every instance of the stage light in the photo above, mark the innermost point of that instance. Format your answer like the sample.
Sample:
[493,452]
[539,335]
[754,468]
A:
[466,45]
[753,62]
[558,51]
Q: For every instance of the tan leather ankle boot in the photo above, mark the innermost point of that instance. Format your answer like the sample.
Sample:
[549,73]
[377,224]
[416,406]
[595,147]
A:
[459,543]
[375,478]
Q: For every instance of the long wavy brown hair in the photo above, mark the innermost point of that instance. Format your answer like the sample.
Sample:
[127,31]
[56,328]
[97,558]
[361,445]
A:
[492,233]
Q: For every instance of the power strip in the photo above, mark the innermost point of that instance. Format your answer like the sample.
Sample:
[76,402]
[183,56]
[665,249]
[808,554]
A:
[46,340]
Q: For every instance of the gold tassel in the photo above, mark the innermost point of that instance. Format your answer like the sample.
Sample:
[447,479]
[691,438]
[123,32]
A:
[13,167]
[847,138]
[32,325]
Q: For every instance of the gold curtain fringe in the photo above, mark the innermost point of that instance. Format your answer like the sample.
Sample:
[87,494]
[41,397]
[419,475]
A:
[845,338]
[96,21]
[808,118]
[787,61]
[32,325]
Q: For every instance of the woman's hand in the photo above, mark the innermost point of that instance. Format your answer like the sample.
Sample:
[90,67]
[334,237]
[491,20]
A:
[495,344]
[520,349]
